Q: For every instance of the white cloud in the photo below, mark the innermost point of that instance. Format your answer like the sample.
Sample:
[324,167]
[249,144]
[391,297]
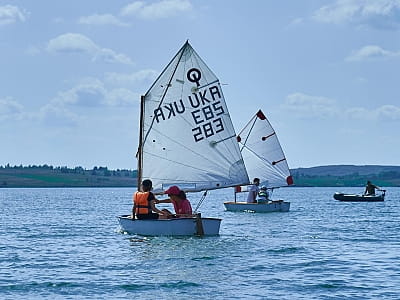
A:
[69,107]
[110,56]
[371,52]
[341,11]
[375,13]
[310,106]
[121,97]
[10,109]
[157,10]
[296,21]
[72,42]
[78,43]
[105,19]
[358,113]
[382,113]
[56,115]
[32,50]
[388,112]
[10,14]
[91,93]
[132,78]
[133,8]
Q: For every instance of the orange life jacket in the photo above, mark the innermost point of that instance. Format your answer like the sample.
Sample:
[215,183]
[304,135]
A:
[142,203]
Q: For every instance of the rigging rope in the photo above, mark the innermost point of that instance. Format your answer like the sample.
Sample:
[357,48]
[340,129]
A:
[201,201]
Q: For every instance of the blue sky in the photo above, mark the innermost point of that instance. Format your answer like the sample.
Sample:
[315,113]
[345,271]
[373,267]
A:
[326,74]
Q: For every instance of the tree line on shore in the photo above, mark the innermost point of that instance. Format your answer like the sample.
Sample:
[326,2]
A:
[61,176]
[48,175]
[101,171]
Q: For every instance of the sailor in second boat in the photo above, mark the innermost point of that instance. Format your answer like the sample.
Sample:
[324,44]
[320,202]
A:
[253,191]
[263,195]
[144,203]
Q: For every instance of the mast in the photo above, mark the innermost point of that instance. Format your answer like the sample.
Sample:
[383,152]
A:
[140,146]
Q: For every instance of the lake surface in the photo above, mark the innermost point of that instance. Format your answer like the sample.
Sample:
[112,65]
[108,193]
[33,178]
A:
[66,244]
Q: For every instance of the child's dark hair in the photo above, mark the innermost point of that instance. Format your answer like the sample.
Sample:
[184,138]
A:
[147,184]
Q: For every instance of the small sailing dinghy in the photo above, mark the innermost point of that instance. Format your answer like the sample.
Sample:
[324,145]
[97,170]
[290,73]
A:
[186,138]
[359,198]
[264,158]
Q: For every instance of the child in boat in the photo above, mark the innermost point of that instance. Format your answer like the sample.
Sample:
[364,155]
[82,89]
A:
[263,195]
[144,203]
[181,204]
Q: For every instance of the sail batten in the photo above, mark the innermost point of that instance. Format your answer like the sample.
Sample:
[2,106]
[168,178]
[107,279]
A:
[188,136]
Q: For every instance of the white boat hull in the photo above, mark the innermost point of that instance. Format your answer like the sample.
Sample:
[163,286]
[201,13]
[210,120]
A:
[271,206]
[170,227]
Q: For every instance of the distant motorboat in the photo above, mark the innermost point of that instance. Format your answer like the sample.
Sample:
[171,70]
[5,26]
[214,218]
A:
[359,198]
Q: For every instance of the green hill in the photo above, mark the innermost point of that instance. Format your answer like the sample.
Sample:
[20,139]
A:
[347,175]
[49,176]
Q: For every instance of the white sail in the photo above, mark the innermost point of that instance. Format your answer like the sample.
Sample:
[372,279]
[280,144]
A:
[187,136]
[263,154]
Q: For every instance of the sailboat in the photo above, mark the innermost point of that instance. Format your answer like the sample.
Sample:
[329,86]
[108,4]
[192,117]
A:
[186,138]
[264,158]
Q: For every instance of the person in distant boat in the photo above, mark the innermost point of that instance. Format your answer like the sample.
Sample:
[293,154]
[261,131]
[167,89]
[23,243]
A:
[181,204]
[144,202]
[263,195]
[253,191]
[370,189]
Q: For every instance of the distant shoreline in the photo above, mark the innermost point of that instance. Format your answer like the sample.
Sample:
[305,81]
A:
[101,177]
[49,176]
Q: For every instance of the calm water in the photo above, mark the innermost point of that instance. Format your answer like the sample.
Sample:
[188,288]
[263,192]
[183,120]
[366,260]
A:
[65,244]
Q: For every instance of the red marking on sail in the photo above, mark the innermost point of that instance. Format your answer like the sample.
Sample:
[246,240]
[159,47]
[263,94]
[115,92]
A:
[265,137]
[238,189]
[261,115]
[278,161]
[239,139]
[289,180]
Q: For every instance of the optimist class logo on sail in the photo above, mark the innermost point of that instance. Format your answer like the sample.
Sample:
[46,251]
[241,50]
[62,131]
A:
[205,107]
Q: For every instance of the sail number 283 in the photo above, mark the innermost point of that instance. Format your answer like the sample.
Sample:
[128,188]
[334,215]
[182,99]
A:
[208,121]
